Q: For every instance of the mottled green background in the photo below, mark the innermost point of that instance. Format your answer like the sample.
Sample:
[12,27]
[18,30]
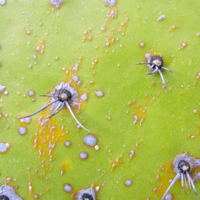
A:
[169,118]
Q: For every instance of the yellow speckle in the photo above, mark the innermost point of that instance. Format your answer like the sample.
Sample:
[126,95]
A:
[39,48]
[139,114]
[173,28]
[117,162]
[46,138]
[123,26]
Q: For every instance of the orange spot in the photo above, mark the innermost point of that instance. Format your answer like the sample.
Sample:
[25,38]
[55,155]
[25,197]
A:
[70,73]
[123,26]
[183,45]
[46,138]
[94,63]
[30,188]
[139,114]
[193,136]
[39,48]
[110,39]
[165,169]
[112,13]
[197,76]
[64,167]
[87,36]
[173,28]
[9,181]
[117,162]
[153,83]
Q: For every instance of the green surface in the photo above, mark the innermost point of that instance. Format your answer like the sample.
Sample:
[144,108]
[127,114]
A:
[169,118]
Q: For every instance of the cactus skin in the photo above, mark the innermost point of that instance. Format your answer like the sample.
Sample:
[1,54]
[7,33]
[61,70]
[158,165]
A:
[74,34]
